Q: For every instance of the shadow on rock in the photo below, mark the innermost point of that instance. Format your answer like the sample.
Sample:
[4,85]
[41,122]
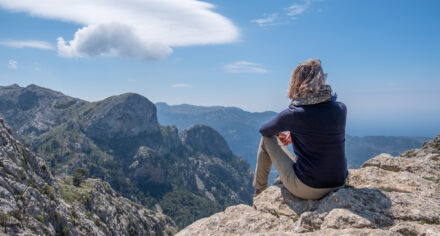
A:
[343,208]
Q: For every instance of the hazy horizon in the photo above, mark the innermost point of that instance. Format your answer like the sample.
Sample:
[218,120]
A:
[350,129]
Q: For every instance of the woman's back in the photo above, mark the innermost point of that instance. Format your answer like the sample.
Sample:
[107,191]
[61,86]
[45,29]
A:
[318,139]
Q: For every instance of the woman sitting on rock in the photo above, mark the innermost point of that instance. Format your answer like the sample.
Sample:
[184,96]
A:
[314,123]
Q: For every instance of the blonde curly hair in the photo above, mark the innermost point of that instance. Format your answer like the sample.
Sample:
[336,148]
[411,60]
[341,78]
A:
[306,78]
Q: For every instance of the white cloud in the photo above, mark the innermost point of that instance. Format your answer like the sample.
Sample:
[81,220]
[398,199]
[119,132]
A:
[290,13]
[267,20]
[27,44]
[297,9]
[147,29]
[12,64]
[111,40]
[181,85]
[245,67]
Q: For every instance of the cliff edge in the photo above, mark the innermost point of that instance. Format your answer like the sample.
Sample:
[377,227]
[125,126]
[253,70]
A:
[386,196]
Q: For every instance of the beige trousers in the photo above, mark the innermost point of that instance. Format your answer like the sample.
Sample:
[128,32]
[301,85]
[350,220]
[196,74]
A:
[271,150]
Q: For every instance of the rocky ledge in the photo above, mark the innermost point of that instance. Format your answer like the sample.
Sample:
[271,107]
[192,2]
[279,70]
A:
[386,196]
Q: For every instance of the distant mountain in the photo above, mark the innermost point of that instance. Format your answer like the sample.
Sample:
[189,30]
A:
[360,149]
[240,129]
[119,139]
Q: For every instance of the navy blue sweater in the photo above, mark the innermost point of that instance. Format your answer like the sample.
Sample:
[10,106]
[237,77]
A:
[318,139]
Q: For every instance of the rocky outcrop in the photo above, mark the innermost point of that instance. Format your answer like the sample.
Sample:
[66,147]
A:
[122,123]
[95,204]
[205,139]
[386,196]
[33,202]
[127,114]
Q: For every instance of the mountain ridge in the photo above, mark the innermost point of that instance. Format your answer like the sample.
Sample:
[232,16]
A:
[120,140]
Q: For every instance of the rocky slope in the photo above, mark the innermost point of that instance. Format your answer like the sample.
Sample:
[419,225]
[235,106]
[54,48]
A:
[386,196]
[119,140]
[34,202]
[197,183]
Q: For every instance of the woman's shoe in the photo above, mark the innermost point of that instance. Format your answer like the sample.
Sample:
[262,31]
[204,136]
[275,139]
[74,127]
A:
[258,192]
[277,181]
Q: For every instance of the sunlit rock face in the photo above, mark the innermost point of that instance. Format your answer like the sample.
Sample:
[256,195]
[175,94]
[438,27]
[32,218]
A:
[386,196]
[123,123]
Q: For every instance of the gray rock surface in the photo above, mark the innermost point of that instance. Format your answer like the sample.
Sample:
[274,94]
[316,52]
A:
[119,118]
[386,196]
[33,202]
[206,140]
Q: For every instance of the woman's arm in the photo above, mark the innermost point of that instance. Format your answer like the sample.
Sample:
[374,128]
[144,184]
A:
[280,123]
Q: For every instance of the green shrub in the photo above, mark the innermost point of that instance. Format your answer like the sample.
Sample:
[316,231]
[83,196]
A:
[132,231]
[169,232]
[65,231]
[49,191]
[40,218]
[16,214]
[430,179]
[4,220]
[79,176]
[97,222]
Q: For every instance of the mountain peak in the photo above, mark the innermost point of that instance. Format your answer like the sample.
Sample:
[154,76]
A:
[125,96]
[123,123]
[16,86]
[129,114]
[206,140]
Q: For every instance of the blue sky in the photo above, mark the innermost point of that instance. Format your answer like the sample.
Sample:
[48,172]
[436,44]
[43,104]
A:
[382,57]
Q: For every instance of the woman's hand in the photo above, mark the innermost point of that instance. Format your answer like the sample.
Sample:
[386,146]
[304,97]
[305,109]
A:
[285,138]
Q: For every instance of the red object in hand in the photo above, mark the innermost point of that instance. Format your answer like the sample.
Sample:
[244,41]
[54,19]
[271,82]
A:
[285,138]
